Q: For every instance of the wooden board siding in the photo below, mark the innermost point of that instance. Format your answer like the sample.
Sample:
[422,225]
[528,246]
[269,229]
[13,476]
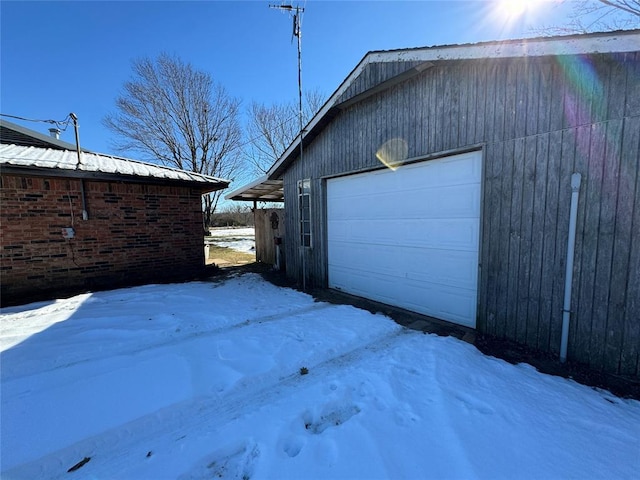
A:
[375,73]
[265,233]
[538,121]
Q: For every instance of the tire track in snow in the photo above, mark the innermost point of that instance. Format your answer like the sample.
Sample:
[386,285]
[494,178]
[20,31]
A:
[172,340]
[113,451]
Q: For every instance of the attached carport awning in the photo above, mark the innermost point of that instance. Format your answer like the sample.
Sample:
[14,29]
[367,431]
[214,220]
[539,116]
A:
[260,190]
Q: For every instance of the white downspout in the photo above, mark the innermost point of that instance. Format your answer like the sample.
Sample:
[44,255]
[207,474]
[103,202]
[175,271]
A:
[571,243]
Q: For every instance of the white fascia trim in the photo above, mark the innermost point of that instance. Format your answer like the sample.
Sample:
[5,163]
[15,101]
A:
[619,42]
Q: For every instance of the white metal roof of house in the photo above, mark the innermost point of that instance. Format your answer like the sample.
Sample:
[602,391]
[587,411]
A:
[584,44]
[93,165]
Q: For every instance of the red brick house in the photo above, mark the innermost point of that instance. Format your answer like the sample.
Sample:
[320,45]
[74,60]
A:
[103,222]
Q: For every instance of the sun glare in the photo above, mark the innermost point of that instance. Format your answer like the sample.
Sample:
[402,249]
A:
[515,8]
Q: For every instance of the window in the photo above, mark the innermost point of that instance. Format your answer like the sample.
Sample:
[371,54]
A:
[304,205]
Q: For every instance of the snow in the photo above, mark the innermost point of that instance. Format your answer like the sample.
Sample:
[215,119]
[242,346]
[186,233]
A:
[22,156]
[240,239]
[203,380]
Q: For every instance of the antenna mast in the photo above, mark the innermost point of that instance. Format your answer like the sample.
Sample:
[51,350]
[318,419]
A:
[297,32]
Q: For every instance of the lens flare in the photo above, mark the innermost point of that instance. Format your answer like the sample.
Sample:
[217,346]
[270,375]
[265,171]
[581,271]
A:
[393,153]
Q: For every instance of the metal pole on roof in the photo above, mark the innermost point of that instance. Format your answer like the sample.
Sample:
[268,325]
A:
[297,32]
[85,214]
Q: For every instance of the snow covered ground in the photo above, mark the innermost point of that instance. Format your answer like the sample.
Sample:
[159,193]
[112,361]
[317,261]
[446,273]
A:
[204,380]
[240,239]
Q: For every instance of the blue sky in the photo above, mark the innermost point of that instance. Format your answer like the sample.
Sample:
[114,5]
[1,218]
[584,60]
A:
[60,57]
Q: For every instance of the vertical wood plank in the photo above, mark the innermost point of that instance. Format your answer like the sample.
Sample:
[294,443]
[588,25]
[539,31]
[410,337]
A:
[533,95]
[472,111]
[490,101]
[454,108]
[597,246]
[591,206]
[616,87]
[557,89]
[500,94]
[544,97]
[464,106]
[632,97]
[599,97]
[537,238]
[433,111]
[491,232]
[529,174]
[481,98]
[548,317]
[515,240]
[612,325]
[502,284]
[627,248]
[578,348]
[577,105]
[522,86]
[510,104]
[440,111]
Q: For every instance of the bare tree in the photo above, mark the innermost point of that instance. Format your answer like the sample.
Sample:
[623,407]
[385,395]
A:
[272,128]
[177,115]
[597,16]
[237,214]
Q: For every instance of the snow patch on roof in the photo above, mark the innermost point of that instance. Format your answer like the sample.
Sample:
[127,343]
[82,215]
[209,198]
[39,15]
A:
[34,157]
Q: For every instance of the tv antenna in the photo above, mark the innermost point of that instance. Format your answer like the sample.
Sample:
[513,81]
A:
[296,13]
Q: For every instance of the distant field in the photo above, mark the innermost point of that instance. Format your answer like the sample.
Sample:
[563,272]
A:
[231,246]
[225,256]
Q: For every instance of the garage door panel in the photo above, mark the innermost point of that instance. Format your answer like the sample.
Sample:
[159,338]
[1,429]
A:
[428,265]
[452,304]
[430,174]
[454,234]
[457,201]
[409,237]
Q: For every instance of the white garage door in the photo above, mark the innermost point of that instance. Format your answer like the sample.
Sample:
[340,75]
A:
[409,237]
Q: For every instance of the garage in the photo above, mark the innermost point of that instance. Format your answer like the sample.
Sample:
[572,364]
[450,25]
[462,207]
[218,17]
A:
[409,237]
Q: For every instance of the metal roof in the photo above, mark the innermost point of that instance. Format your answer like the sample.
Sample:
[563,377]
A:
[584,44]
[10,133]
[48,161]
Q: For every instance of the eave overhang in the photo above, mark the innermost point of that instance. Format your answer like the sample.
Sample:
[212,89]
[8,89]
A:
[261,190]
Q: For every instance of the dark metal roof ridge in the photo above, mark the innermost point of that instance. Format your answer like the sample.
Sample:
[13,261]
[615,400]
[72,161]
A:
[56,143]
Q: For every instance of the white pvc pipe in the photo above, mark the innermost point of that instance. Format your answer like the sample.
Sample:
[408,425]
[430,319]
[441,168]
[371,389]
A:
[568,281]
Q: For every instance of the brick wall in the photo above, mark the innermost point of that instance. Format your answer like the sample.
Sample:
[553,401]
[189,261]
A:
[135,234]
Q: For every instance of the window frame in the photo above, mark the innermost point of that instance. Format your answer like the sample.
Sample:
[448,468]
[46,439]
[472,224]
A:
[304,192]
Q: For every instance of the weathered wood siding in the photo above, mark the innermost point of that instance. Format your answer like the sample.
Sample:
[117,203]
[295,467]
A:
[374,74]
[265,233]
[538,121]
